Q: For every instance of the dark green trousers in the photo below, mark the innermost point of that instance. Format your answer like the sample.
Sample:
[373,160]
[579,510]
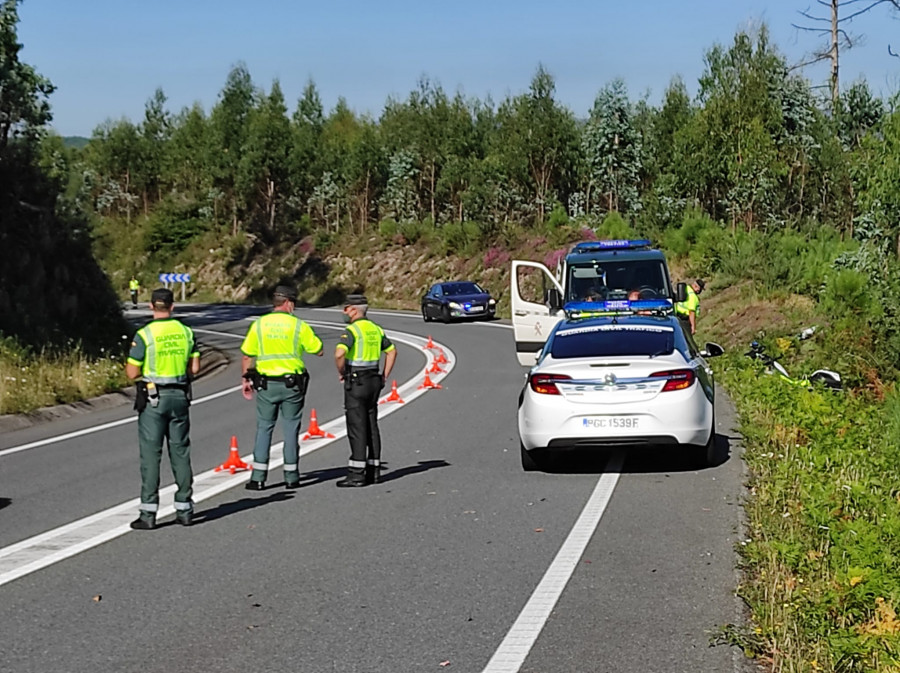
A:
[278,398]
[170,421]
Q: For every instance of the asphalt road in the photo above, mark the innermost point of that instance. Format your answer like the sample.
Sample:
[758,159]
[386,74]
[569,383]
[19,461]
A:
[430,570]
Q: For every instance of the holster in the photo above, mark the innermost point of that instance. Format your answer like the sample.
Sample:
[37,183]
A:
[348,379]
[141,398]
[298,381]
[257,380]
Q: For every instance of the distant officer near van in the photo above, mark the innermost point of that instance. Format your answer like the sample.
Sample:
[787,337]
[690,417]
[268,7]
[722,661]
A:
[164,357]
[134,287]
[687,310]
[277,342]
[358,357]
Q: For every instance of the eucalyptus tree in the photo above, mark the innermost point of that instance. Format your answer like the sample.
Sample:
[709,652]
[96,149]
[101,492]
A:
[228,137]
[613,151]
[185,167]
[306,128]
[155,130]
[264,170]
[729,153]
[537,140]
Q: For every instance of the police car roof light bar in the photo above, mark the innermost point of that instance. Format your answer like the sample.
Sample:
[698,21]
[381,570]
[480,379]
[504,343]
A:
[616,244]
[587,309]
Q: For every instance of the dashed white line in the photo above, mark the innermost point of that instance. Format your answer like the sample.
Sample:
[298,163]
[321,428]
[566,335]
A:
[518,642]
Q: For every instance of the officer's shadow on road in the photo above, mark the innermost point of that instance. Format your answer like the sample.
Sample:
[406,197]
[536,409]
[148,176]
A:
[387,475]
[229,508]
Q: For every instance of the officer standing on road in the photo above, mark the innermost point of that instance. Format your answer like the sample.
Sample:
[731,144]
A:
[277,341]
[164,356]
[687,310]
[357,356]
[134,287]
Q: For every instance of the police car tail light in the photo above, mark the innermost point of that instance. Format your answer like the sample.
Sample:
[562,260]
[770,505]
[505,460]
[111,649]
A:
[678,379]
[545,384]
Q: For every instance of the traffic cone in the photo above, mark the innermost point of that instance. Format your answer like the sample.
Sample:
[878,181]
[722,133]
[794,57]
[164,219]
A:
[428,383]
[430,344]
[435,368]
[394,396]
[234,462]
[314,430]
[441,359]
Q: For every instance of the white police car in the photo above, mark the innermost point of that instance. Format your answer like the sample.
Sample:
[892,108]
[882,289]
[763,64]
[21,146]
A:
[619,373]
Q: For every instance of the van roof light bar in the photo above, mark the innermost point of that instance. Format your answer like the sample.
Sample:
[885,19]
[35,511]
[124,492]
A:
[616,244]
[592,309]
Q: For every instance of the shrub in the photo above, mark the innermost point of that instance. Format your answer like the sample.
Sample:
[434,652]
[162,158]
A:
[387,228]
[495,258]
[552,259]
[558,218]
[614,226]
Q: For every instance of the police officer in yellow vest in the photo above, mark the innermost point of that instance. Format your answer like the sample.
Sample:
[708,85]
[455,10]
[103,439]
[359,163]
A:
[134,287]
[358,356]
[687,310]
[164,356]
[277,342]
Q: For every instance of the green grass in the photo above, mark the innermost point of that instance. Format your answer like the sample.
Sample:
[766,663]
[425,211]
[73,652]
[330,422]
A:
[29,380]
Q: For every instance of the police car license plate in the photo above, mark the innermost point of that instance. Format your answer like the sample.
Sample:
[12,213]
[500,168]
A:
[611,422]
[475,309]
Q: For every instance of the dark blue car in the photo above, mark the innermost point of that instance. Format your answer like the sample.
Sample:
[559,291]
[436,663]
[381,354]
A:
[457,299]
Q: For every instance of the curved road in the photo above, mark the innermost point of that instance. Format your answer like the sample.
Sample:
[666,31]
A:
[459,560]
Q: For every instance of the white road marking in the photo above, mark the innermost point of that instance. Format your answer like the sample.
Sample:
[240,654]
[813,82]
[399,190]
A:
[518,642]
[416,316]
[104,426]
[47,548]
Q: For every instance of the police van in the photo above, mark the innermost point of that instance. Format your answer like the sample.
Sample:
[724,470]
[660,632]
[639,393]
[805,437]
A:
[592,271]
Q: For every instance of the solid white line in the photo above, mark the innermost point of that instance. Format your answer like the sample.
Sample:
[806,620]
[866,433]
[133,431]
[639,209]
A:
[104,426]
[42,550]
[518,642]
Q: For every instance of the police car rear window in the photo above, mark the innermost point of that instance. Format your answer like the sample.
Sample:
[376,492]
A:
[612,340]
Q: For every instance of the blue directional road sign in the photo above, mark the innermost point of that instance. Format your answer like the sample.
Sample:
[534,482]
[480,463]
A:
[174,278]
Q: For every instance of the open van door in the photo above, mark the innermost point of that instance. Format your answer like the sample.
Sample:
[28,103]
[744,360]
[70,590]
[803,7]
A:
[536,298]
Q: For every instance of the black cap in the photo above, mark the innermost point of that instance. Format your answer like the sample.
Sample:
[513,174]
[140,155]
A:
[356,300]
[701,283]
[287,292]
[162,296]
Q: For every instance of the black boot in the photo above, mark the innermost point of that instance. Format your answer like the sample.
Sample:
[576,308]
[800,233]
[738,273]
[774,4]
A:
[144,523]
[352,480]
[373,474]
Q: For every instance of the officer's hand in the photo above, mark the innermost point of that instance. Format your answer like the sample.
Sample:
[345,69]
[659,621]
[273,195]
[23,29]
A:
[341,378]
[247,389]
[383,381]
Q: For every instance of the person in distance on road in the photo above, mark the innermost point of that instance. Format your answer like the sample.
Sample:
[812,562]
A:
[357,357]
[164,356]
[134,287]
[277,342]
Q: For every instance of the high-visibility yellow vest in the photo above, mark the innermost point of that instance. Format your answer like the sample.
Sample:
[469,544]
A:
[692,303]
[169,347]
[278,340]
[367,344]
[133,284]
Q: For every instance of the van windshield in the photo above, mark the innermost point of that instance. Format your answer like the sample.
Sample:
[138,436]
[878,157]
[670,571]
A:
[615,279]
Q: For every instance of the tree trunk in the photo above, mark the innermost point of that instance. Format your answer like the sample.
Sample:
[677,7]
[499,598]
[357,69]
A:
[270,203]
[835,91]
[433,217]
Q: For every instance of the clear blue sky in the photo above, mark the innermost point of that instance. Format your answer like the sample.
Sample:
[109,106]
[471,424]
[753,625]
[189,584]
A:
[108,56]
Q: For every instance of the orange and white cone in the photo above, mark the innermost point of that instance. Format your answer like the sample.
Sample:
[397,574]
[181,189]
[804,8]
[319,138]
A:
[430,344]
[428,383]
[315,432]
[234,462]
[394,396]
